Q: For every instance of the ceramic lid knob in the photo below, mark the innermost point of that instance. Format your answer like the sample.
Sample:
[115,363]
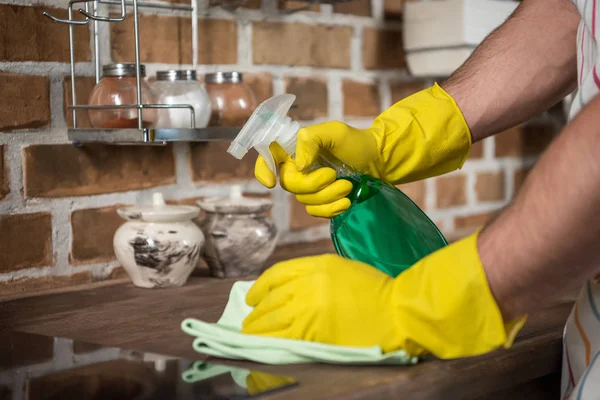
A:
[236,192]
[158,200]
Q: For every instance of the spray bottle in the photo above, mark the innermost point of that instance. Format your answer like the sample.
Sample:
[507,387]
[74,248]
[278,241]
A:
[383,227]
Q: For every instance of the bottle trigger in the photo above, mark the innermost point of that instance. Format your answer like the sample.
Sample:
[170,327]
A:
[263,150]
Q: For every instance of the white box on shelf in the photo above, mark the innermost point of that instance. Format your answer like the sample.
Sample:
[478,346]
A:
[440,35]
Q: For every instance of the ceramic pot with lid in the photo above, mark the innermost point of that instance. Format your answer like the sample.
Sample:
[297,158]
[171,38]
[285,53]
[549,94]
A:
[181,87]
[240,234]
[159,246]
[118,86]
[233,102]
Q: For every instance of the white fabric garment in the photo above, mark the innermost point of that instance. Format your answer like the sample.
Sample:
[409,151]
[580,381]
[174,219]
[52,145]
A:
[581,341]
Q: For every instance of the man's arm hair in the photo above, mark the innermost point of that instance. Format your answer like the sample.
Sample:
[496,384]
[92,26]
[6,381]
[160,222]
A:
[521,69]
[546,242]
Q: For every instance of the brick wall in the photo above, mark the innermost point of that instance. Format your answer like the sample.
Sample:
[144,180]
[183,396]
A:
[345,62]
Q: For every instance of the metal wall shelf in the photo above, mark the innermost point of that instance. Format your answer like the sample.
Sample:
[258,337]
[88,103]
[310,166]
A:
[151,135]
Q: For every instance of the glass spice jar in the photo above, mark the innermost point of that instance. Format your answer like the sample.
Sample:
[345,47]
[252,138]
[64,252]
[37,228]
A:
[118,87]
[181,87]
[232,100]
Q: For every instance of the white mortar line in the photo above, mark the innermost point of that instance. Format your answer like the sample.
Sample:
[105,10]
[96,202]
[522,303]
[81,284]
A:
[62,353]
[327,11]
[278,84]
[46,68]
[244,43]
[489,147]
[281,210]
[335,98]
[378,11]
[13,161]
[27,273]
[509,182]
[356,44]
[56,104]
[183,160]
[385,94]
[430,194]
[470,188]
[62,239]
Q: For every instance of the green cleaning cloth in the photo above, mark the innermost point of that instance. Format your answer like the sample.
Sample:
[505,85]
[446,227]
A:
[225,340]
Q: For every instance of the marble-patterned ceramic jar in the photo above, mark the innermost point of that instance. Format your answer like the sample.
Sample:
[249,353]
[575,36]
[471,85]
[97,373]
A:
[240,235]
[160,245]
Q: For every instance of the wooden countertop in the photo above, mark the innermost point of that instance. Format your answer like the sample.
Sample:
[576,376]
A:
[149,319]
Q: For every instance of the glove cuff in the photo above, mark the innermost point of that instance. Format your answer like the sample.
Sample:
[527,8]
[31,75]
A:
[431,125]
[444,305]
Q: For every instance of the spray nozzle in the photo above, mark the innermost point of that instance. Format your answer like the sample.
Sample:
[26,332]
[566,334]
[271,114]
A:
[268,124]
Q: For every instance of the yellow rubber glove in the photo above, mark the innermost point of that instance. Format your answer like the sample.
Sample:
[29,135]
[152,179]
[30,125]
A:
[441,305]
[421,136]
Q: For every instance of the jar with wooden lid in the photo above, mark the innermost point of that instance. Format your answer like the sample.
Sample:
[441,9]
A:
[118,87]
[232,100]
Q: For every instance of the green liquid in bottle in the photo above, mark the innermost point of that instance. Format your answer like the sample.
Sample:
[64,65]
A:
[383,227]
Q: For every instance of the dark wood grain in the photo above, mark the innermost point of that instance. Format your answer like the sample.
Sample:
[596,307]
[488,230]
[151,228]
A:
[149,319]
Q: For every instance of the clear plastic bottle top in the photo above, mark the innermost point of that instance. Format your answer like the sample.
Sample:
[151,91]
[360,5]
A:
[268,124]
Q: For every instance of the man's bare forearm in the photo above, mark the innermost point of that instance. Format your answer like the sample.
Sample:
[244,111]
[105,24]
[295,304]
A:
[547,241]
[524,67]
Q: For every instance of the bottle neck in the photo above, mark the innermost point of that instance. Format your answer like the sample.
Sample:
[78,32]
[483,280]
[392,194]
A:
[288,136]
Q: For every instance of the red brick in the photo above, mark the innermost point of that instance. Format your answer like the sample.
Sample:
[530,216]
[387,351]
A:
[401,90]
[451,191]
[291,5]
[188,201]
[26,240]
[94,245]
[361,8]
[382,49]
[84,347]
[169,40]
[490,186]
[261,85]
[416,192]
[360,99]
[64,170]
[477,149]
[392,9]
[83,89]
[295,250]
[27,35]
[3,173]
[25,287]
[466,225]
[299,44]
[248,4]
[25,101]
[211,162]
[21,350]
[472,221]
[525,140]
[252,4]
[311,98]
[300,219]
[519,178]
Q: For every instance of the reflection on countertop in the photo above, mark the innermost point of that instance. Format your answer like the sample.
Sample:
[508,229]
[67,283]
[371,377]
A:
[36,367]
